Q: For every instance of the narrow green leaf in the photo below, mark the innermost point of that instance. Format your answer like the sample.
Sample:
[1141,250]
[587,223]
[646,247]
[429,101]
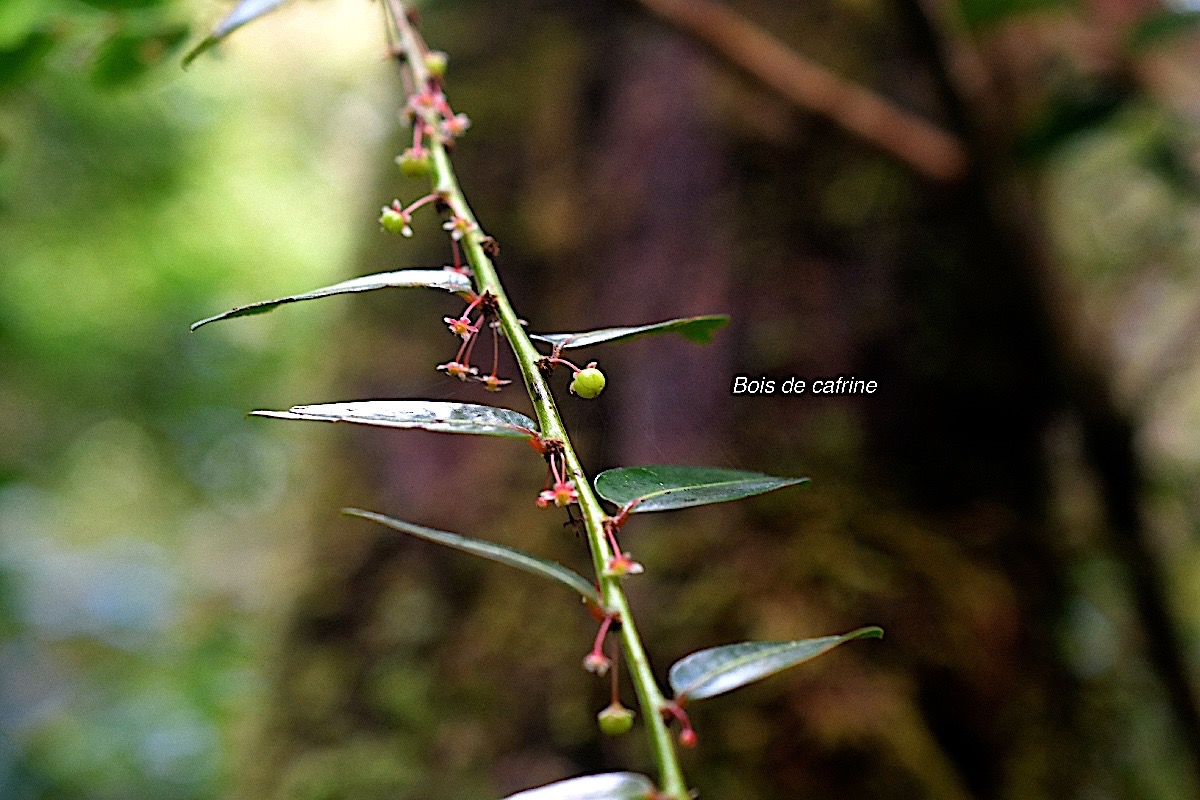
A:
[694,329]
[722,669]
[244,12]
[446,279]
[491,551]
[609,786]
[667,487]
[429,415]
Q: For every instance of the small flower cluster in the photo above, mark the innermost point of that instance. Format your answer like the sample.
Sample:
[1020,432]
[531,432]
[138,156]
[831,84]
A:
[558,491]
[467,329]
[430,115]
[622,563]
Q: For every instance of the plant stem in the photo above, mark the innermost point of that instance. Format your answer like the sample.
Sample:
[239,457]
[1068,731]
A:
[672,785]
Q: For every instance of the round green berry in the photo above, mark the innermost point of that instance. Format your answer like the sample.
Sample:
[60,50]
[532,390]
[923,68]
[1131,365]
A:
[394,220]
[615,720]
[588,383]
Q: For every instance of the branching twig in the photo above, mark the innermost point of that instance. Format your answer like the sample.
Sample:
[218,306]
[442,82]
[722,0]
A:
[924,146]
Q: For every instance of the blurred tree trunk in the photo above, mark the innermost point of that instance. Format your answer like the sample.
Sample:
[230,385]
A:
[629,178]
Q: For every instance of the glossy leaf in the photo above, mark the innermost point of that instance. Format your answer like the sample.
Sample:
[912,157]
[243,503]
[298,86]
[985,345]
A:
[722,669]
[406,278]
[667,487]
[609,786]
[244,12]
[694,329]
[491,551]
[428,415]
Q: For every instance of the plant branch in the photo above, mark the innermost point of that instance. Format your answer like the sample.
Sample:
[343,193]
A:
[875,119]
[672,786]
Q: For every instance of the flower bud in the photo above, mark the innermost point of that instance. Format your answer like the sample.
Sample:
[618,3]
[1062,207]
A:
[588,383]
[615,720]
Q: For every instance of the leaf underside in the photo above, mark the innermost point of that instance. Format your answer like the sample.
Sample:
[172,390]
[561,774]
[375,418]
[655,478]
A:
[661,488]
[694,329]
[491,551]
[446,279]
[609,786]
[440,417]
[717,670]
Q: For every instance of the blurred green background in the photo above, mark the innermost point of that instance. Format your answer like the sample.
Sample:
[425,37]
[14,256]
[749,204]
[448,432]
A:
[183,615]
[145,523]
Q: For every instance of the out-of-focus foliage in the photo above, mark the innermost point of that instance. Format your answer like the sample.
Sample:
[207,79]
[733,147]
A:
[979,14]
[114,42]
[140,511]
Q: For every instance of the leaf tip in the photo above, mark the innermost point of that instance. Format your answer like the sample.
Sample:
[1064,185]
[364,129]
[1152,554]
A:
[274,414]
[869,632]
[704,334]
[191,55]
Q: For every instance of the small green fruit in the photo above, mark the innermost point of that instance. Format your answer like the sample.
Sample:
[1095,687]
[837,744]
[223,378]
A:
[615,720]
[435,62]
[394,220]
[588,383]
[414,165]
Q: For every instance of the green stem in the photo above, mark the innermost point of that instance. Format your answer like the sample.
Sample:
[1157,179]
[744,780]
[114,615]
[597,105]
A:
[672,785]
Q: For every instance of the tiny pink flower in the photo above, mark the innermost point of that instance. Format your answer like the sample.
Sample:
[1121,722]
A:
[457,369]
[620,565]
[561,494]
[493,383]
[455,126]
[596,663]
[458,226]
[422,101]
[461,326]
